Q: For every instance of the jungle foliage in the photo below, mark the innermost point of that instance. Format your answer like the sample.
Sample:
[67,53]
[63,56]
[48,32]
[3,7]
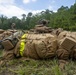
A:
[65,18]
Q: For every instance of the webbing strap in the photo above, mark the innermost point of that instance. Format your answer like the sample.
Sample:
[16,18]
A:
[22,44]
[24,36]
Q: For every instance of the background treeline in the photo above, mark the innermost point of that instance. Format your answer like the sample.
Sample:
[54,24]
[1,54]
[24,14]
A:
[65,18]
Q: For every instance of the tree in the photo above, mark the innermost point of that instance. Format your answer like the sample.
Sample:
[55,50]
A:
[29,14]
[62,9]
[23,15]
[2,19]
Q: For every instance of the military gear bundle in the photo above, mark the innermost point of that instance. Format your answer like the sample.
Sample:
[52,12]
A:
[38,46]
[41,29]
[11,41]
[66,45]
[43,45]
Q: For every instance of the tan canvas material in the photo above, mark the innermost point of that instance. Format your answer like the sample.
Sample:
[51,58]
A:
[32,41]
[62,54]
[35,45]
[7,44]
[8,54]
[73,35]
[30,50]
[1,31]
[16,49]
[38,36]
[58,31]
[46,48]
[1,36]
[5,34]
[42,29]
[63,35]
[73,53]
[68,43]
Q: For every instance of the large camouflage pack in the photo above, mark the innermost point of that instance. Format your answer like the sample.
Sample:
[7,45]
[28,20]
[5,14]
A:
[39,46]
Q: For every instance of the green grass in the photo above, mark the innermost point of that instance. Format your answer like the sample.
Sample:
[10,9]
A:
[36,67]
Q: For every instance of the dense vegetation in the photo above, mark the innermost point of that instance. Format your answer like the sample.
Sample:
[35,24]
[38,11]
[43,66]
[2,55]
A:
[65,18]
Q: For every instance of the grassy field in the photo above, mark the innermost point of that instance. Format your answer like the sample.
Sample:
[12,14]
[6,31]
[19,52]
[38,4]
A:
[36,67]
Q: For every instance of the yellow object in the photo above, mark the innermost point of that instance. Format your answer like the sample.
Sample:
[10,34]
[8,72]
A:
[24,36]
[22,44]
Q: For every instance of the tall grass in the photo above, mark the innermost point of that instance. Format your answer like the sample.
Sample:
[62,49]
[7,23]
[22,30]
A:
[36,67]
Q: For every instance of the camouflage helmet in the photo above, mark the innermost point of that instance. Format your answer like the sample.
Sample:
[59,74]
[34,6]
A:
[43,21]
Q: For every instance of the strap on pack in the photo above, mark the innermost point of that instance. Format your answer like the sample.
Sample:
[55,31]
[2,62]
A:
[22,44]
